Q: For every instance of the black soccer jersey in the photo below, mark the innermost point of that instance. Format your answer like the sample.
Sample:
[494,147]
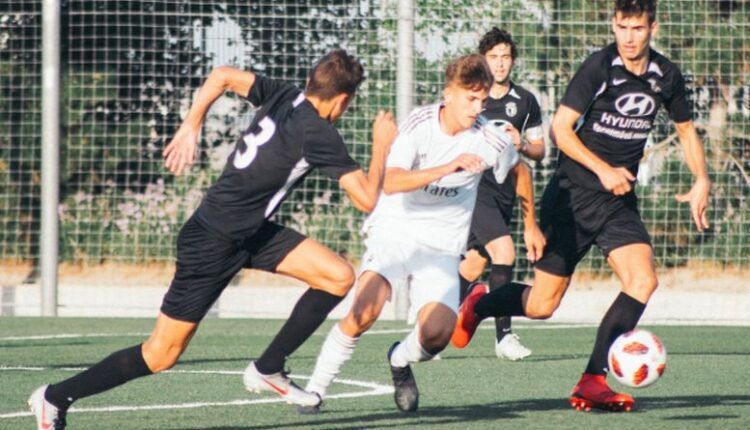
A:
[285,141]
[520,108]
[618,109]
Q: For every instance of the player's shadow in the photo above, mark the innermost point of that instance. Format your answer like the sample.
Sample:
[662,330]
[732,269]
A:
[462,415]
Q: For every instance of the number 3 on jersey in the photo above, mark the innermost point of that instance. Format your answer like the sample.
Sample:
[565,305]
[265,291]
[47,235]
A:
[253,141]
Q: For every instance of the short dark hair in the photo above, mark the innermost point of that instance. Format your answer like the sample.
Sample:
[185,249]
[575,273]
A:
[630,8]
[495,37]
[470,71]
[336,73]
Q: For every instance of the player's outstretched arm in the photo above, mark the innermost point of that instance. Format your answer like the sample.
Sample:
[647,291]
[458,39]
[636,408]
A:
[364,190]
[399,180]
[532,235]
[617,180]
[695,158]
[179,154]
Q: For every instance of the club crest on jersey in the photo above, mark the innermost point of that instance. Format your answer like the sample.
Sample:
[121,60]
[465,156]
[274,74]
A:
[511,109]
[635,104]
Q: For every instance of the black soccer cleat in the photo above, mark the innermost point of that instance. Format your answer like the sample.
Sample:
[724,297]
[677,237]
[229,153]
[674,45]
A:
[309,410]
[406,393]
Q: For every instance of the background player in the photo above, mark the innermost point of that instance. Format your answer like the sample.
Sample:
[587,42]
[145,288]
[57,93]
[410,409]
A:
[489,238]
[419,229]
[290,134]
[614,98]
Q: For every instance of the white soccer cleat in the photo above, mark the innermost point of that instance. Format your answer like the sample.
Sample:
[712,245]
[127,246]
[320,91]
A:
[48,416]
[279,383]
[510,348]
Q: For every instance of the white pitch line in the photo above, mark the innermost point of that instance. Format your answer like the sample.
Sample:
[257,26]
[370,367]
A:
[383,331]
[69,336]
[375,389]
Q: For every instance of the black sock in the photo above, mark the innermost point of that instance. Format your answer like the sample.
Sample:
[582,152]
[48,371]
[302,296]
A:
[308,314]
[621,317]
[505,301]
[464,285]
[117,369]
[500,275]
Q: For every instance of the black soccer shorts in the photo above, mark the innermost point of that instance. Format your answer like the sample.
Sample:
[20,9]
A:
[574,218]
[207,262]
[490,220]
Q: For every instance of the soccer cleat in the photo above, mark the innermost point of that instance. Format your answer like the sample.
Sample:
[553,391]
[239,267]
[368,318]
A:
[510,348]
[406,393]
[48,416]
[592,391]
[280,384]
[467,322]
[309,410]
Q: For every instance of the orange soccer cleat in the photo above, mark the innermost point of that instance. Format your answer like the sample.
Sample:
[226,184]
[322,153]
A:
[592,391]
[467,322]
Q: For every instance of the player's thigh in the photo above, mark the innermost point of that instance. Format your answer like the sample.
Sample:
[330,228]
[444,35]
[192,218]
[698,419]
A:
[318,266]
[545,295]
[501,250]
[434,280]
[436,324]
[634,266]
[472,266]
[373,290]
[168,340]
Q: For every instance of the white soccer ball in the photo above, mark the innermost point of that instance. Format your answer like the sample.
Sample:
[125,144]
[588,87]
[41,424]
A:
[637,358]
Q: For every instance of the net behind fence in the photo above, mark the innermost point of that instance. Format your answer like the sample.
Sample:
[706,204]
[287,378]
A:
[131,68]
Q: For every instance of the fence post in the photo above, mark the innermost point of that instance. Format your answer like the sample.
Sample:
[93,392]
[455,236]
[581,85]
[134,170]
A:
[48,246]
[404,105]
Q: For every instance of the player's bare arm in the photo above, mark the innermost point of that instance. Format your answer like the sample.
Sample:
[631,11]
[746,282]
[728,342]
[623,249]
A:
[617,180]
[364,189]
[534,149]
[398,180]
[532,235]
[179,154]
[696,161]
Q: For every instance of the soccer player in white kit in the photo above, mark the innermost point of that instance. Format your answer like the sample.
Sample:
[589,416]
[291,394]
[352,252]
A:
[419,228]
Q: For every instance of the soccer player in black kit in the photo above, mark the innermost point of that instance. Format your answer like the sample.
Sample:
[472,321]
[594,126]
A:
[291,133]
[516,108]
[613,98]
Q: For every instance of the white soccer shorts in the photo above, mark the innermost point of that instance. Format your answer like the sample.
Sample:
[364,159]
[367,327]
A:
[430,275]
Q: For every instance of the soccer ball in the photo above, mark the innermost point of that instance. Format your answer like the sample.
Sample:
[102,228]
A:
[637,358]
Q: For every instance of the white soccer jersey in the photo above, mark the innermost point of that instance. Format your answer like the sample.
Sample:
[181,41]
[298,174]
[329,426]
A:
[438,215]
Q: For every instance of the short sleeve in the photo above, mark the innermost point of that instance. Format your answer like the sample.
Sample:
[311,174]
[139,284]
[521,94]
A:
[533,129]
[263,88]
[586,83]
[535,113]
[324,148]
[403,152]
[677,104]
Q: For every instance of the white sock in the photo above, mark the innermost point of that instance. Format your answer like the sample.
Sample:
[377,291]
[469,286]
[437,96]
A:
[337,350]
[410,351]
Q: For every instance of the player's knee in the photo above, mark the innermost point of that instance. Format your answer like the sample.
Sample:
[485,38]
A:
[340,279]
[503,253]
[643,286]
[161,356]
[540,311]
